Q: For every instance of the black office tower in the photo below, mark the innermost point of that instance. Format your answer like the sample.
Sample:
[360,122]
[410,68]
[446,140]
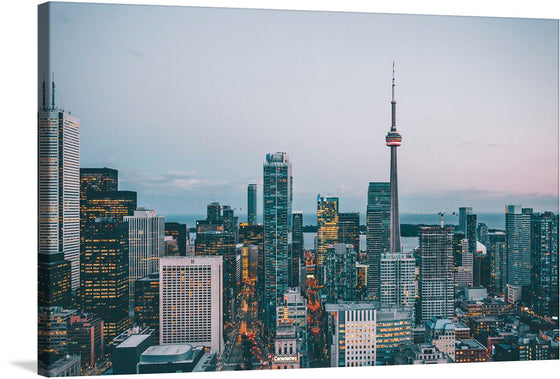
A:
[252,204]
[146,303]
[378,220]
[349,229]
[179,233]
[54,287]
[544,263]
[104,274]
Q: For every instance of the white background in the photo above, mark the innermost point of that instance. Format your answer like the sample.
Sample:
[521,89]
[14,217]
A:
[18,209]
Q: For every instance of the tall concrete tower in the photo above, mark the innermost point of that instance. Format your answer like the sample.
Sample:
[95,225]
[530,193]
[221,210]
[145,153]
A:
[393,140]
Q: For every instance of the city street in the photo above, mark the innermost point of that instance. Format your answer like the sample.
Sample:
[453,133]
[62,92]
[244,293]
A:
[245,335]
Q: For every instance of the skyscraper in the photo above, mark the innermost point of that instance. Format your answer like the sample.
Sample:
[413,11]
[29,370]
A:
[146,302]
[216,236]
[497,252]
[253,235]
[327,231]
[214,213]
[463,272]
[397,279]
[231,224]
[518,245]
[107,204]
[277,200]
[349,229]
[53,281]
[252,204]
[297,246]
[180,234]
[463,213]
[470,233]
[59,186]
[340,268]
[436,273]
[544,263]
[104,274]
[98,180]
[146,246]
[378,221]
[190,305]
[482,233]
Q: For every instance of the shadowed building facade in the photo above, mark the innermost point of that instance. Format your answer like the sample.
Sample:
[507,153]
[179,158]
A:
[216,236]
[349,229]
[340,267]
[297,248]
[518,246]
[377,231]
[104,274]
[327,232]
[544,263]
[180,234]
[252,204]
[146,303]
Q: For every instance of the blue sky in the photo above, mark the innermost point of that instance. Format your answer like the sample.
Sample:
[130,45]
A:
[186,102]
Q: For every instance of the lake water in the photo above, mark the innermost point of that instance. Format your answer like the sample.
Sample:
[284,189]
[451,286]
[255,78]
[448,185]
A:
[408,243]
[493,220]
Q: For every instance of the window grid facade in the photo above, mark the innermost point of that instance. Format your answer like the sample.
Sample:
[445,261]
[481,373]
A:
[146,233]
[191,301]
[59,187]
[436,273]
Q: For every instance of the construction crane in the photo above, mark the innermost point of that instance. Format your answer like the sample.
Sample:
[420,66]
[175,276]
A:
[441,214]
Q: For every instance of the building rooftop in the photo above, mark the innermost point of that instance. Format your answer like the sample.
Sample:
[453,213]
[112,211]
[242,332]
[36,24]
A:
[485,319]
[134,330]
[384,311]
[168,353]
[61,363]
[468,345]
[285,331]
[133,341]
[438,323]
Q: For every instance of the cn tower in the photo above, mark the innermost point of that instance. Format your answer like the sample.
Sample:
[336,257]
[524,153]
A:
[393,140]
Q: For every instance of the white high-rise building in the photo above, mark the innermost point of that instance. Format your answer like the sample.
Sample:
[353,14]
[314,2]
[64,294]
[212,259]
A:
[397,279]
[436,273]
[146,235]
[190,306]
[59,185]
[463,275]
[366,333]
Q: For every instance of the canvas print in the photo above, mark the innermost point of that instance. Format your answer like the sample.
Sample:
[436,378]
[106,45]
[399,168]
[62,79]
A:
[236,189]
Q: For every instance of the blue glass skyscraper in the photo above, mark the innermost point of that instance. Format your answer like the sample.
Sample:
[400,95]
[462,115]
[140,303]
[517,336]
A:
[277,200]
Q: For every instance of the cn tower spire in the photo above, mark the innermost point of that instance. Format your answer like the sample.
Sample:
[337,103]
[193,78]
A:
[393,140]
[393,104]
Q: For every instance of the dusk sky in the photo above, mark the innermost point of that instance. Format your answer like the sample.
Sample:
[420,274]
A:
[186,102]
